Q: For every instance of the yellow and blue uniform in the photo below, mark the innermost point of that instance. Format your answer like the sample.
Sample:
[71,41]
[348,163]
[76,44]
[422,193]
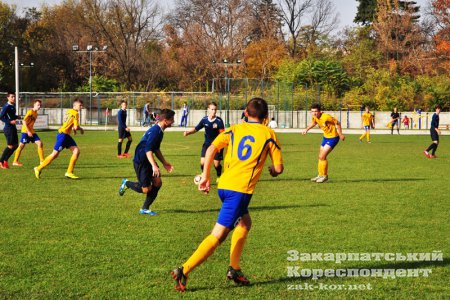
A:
[63,138]
[30,118]
[248,145]
[328,124]
[367,119]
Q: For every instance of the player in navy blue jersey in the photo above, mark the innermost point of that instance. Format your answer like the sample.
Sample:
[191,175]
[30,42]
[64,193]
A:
[147,170]
[213,126]
[124,131]
[434,132]
[9,117]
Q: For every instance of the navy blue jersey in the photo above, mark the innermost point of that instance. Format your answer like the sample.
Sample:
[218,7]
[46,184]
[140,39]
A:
[151,141]
[8,114]
[435,121]
[122,118]
[212,128]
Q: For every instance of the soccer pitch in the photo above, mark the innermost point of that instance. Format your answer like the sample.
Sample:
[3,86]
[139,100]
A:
[64,238]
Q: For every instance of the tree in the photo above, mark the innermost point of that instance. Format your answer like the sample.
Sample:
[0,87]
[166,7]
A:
[366,12]
[209,31]
[398,35]
[293,13]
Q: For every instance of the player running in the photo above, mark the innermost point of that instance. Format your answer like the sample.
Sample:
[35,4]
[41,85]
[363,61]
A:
[248,144]
[64,140]
[147,170]
[213,126]
[29,135]
[367,119]
[332,133]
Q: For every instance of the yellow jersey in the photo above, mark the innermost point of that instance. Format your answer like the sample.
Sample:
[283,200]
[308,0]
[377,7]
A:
[248,146]
[29,118]
[328,124]
[72,119]
[367,119]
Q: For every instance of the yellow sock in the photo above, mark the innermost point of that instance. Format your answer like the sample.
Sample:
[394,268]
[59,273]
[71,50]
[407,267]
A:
[368,136]
[204,250]
[323,167]
[45,163]
[17,154]
[237,245]
[362,136]
[41,153]
[72,162]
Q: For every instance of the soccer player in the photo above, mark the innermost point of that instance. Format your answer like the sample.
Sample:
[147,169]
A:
[147,170]
[124,131]
[28,134]
[9,117]
[395,116]
[332,133]
[434,132]
[248,144]
[64,140]
[213,126]
[367,119]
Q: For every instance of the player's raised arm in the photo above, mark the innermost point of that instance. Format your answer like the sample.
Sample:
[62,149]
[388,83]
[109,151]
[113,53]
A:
[305,131]
[189,132]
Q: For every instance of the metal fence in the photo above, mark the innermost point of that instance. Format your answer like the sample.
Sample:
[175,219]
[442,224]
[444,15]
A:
[289,104]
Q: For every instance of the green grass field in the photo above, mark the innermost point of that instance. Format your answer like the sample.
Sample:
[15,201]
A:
[78,239]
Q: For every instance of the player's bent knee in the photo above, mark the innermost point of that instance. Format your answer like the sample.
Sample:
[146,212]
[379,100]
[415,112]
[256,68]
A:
[145,190]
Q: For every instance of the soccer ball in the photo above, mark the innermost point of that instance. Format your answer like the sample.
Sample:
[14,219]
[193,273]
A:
[197,179]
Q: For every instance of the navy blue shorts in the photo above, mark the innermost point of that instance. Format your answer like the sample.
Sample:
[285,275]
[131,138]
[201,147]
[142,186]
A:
[332,142]
[367,127]
[11,135]
[123,134]
[234,206]
[218,156]
[144,173]
[64,141]
[434,134]
[25,139]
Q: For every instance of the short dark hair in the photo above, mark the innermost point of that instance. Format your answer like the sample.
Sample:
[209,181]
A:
[438,107]
[212,103]
[10,93]
[316,106]
[123,101]
[166,114]
[37,100]
[257,108]
[78,100]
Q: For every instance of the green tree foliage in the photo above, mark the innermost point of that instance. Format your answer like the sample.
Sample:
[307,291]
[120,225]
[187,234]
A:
[101,84]
[366,12]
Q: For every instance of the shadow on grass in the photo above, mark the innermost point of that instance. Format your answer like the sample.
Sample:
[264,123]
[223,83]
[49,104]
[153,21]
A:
[394,266]
[255,208]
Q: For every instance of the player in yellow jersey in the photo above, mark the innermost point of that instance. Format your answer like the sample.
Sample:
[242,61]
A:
[28,134]
[332,133]
[64,140]
[249,144]
[367,120]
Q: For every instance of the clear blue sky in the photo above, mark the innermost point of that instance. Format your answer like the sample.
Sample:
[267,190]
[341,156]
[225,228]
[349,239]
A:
[345,8]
